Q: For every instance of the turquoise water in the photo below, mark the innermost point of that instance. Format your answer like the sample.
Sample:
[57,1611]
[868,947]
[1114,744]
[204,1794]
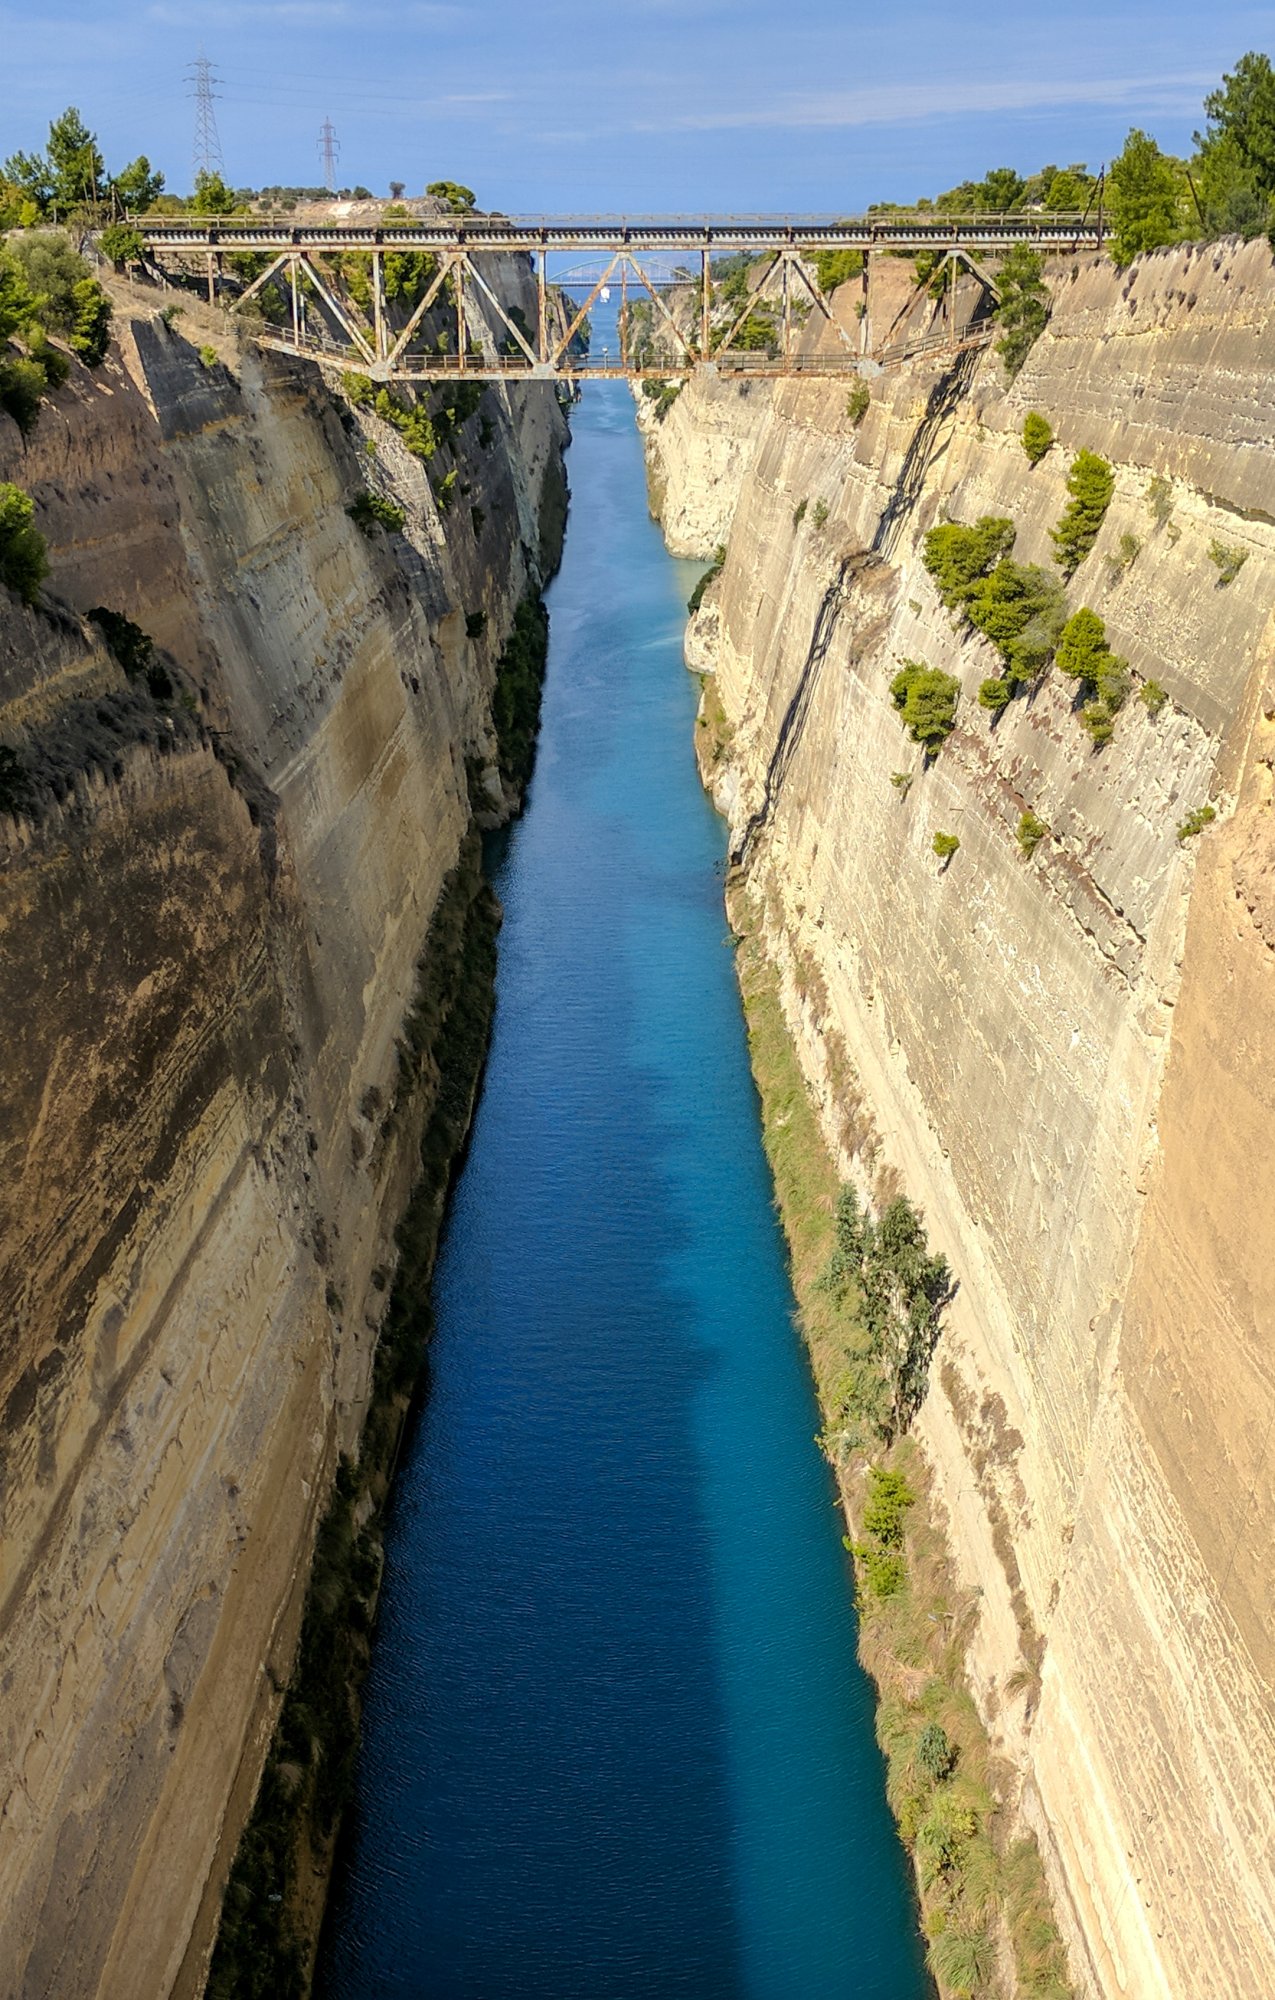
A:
[617,1742]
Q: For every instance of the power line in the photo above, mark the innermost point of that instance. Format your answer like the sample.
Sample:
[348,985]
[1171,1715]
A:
[330,150]
[208,154]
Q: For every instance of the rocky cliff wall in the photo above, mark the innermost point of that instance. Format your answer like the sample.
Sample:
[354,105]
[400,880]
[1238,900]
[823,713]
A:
[211,931]
[1063,1058]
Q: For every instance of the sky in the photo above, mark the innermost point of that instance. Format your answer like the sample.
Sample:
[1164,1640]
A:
[656,105]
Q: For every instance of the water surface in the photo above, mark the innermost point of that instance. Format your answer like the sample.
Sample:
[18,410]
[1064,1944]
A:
[617,1742]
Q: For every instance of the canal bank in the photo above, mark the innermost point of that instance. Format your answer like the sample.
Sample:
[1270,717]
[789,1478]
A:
[616,1740]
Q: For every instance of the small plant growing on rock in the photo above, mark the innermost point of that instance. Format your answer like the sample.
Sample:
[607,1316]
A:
[1091,483]
[799,513]
[1228,561]
[1031,831]
[902,782]
[1152,696]
[926,700]
[1195,822]
[857,403]
[945,845]
[936,1752]
[1084,655]
[820,514]
[23,562]
[1097,722]
[1037,437]
[1160,500]
[1128,549]
[994,693]
[209,356]
[370,512]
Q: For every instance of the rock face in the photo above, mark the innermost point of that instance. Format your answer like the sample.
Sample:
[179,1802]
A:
[209,948]
[1065,1059]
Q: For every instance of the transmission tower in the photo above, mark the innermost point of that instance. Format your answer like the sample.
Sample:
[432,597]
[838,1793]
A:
[330,150]
[208,154]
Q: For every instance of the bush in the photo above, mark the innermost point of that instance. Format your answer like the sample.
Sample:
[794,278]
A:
[209,356]
[1229,562]
[713,571]
[799,513]
[963,1960]
[1160,500]
[1152,696]
[902,782]
[995,693]
[22,386]
[1031,831]
[357,389]
[121,244]
[23,561]
[926,699]
[884,1569]
[1021,610]
[55,365]
[889,1497]
[956,556]
[459,199]
[1082,646]
[820,515]
[858,403]
[1084,655]
[945,845]
[1097,722]
[1024,306]
[371,512]
[935,1752]
[837,267]
[1195,822]
[1091,483]
[1037,437]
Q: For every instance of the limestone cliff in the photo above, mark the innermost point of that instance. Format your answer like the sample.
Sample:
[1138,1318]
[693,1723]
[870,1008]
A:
[1065,1057]
[212,916]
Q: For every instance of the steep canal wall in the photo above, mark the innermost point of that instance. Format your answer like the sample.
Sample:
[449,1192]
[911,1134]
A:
[225,973]
[1057,1044]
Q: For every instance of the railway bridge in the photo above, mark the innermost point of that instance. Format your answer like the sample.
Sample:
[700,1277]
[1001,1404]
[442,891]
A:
[664,262]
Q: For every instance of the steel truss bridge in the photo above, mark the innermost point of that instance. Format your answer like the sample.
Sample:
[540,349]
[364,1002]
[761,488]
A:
[632,255]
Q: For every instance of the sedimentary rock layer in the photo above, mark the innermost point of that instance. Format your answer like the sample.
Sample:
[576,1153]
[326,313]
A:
[1065,1058]
[211,932]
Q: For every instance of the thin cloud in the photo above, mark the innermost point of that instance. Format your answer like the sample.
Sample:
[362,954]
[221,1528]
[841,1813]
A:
[299,13]
[913,103]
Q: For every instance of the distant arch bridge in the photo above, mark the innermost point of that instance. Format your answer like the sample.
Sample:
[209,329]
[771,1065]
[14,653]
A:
[631,254]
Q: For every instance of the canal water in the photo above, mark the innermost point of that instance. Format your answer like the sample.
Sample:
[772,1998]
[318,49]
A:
[617,1744]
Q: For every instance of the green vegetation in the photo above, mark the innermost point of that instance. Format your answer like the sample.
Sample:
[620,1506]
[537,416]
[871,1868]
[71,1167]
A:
[1085,657]
[1031,831]
[710,575]
[515,703]
[134,650]
[1227,560]
[820,515]
[902,782]
[1091,483]
[1128,549]
[1024,306]
[370,512]
[1152,696]
[858,402]
[926,699]
[23,562]
[880,1554]
[837,267]
[459,199]
[1195,822]
[1037,437]
[1149,194]
[23,383]
[945,845]
[1016,605]
[70,176]
[1235,162]
[663,395]
[209,356]
[1160,500]
[900,1291]
[122,244]
[935,1752]
[46,287]
[799,513]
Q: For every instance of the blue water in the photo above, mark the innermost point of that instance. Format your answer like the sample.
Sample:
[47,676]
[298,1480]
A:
[617,1742]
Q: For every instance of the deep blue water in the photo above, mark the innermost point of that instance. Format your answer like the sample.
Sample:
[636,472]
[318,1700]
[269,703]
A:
[617,1742]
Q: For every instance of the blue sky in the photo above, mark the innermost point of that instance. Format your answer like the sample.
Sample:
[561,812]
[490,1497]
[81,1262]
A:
[659,104]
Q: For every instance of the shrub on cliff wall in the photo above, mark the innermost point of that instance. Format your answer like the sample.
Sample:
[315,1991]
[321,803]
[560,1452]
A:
[23,561]
[926,699]
[515,703]
[1016,605]
[710,575]
[1091,483]
[956,555]
[1024,306]
[1036,436]
[1103,678]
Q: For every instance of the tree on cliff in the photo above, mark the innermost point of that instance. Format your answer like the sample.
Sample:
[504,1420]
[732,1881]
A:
[1148,197]
[1236,158]
[1024,306]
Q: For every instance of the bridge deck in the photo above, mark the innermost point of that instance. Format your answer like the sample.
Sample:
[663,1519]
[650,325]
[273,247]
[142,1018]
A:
[717,234]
